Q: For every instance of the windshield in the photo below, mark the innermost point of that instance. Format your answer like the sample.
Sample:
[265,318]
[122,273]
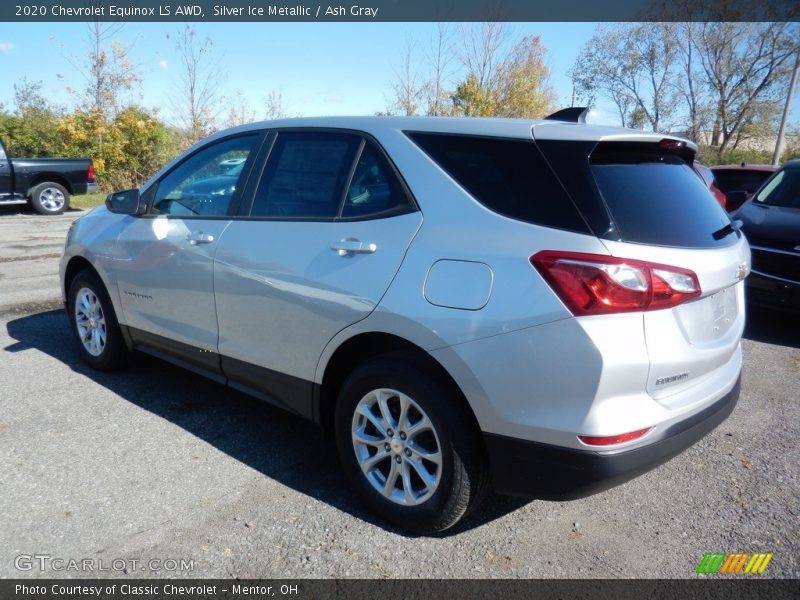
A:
[782,190]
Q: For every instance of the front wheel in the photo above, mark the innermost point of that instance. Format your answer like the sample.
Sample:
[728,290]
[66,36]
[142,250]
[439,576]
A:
[49,198]
[94,324]
[407,446]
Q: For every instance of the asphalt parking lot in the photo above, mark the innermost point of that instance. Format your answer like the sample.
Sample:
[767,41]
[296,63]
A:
[157,464]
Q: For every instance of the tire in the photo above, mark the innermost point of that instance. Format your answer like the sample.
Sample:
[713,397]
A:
[49,198]
[94,324]
[449,451]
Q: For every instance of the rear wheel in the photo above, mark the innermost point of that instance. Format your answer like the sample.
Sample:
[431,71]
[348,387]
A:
[49,198]
[94,324]
[407,447]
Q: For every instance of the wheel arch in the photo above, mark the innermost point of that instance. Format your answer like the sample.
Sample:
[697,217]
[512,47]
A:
[49,178]
[75,265]
[80,263]
[367,345]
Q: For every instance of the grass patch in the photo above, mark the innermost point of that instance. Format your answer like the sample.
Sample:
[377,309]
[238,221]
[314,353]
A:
[87,200]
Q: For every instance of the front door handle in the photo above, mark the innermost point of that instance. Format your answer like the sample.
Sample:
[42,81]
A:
[199,237]
[352,246]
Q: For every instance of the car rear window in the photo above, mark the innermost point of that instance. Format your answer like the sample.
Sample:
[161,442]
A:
[654,197]
[734,181]
[509,177]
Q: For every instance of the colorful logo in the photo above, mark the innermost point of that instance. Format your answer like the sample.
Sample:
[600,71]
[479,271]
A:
[735,563]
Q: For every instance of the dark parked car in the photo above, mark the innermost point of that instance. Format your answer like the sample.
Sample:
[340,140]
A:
[771,222]
[740,182]
[708,178]
[44,183]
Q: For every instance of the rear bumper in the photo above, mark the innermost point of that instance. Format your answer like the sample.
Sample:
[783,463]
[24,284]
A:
[764,290]
[92,188]
[534,470]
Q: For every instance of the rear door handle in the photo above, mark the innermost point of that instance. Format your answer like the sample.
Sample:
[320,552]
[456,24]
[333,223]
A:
[351,246]
[199,237]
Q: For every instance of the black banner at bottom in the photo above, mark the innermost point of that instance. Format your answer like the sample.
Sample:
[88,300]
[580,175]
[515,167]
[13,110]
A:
[409,589]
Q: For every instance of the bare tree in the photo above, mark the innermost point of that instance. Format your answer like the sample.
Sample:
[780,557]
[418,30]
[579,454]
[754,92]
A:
[633,65]
[239,111]
[440,56]
[408,87]
[482,54]
[110,76]
[197,102]
[593,76]
[691,85]
[28,97]
[747,68]
[274,107]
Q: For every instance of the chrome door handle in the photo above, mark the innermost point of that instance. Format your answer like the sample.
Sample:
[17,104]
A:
[199,237]
[351,246]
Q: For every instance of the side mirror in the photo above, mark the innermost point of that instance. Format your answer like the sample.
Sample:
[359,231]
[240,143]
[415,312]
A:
[127,202]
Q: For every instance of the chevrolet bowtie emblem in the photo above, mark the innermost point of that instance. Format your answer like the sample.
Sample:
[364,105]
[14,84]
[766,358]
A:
[742,271]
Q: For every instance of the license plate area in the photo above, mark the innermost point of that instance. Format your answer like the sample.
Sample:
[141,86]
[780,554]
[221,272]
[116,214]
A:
[710,318]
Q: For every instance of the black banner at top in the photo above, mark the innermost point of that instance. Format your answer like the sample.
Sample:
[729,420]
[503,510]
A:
[396,10]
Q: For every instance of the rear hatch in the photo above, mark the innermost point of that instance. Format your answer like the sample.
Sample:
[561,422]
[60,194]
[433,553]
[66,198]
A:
[645,203]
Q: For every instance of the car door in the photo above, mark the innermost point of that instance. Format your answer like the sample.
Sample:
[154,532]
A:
[5,173]
[329,225]
[165,265]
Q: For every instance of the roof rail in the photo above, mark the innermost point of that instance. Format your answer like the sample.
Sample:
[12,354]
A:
[573,114]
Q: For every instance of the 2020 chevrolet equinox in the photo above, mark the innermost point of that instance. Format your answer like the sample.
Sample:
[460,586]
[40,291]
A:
[543,308]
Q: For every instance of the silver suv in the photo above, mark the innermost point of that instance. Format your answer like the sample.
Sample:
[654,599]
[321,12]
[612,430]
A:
[543,308]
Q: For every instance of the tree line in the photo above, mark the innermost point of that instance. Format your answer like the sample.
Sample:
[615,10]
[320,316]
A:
[473,72]
[128,141]
[717,83]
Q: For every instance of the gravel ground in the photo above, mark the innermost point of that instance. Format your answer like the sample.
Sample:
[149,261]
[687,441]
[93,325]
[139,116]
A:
[30,246]
[157,463]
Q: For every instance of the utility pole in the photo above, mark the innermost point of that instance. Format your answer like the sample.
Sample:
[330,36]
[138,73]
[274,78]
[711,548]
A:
[776,158]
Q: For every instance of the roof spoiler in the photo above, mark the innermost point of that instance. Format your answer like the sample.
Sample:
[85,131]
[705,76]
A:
[573,114]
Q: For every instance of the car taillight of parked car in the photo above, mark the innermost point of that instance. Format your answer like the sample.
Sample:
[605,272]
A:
[591,284]
[90,175]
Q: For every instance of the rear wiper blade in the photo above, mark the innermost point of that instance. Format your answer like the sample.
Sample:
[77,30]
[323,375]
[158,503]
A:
[727,230]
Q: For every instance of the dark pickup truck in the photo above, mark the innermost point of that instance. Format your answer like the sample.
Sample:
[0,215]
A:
[45,183]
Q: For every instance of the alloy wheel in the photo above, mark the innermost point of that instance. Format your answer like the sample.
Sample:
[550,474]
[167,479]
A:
[90,321]
[397,447]
[52,199]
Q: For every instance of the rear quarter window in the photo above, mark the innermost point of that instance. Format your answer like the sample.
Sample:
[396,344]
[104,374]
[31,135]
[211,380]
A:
[509,177]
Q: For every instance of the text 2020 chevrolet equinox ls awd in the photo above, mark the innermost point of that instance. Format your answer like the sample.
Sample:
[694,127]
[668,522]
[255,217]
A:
[544,308]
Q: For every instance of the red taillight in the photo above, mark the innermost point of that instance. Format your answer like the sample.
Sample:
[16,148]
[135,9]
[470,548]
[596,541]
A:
[593,284]
[90,176]
[593,440]
[719,195]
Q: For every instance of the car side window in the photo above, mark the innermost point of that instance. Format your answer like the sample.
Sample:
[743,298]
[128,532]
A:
[305,175]
[510,177]
[206,182]
[373,189]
